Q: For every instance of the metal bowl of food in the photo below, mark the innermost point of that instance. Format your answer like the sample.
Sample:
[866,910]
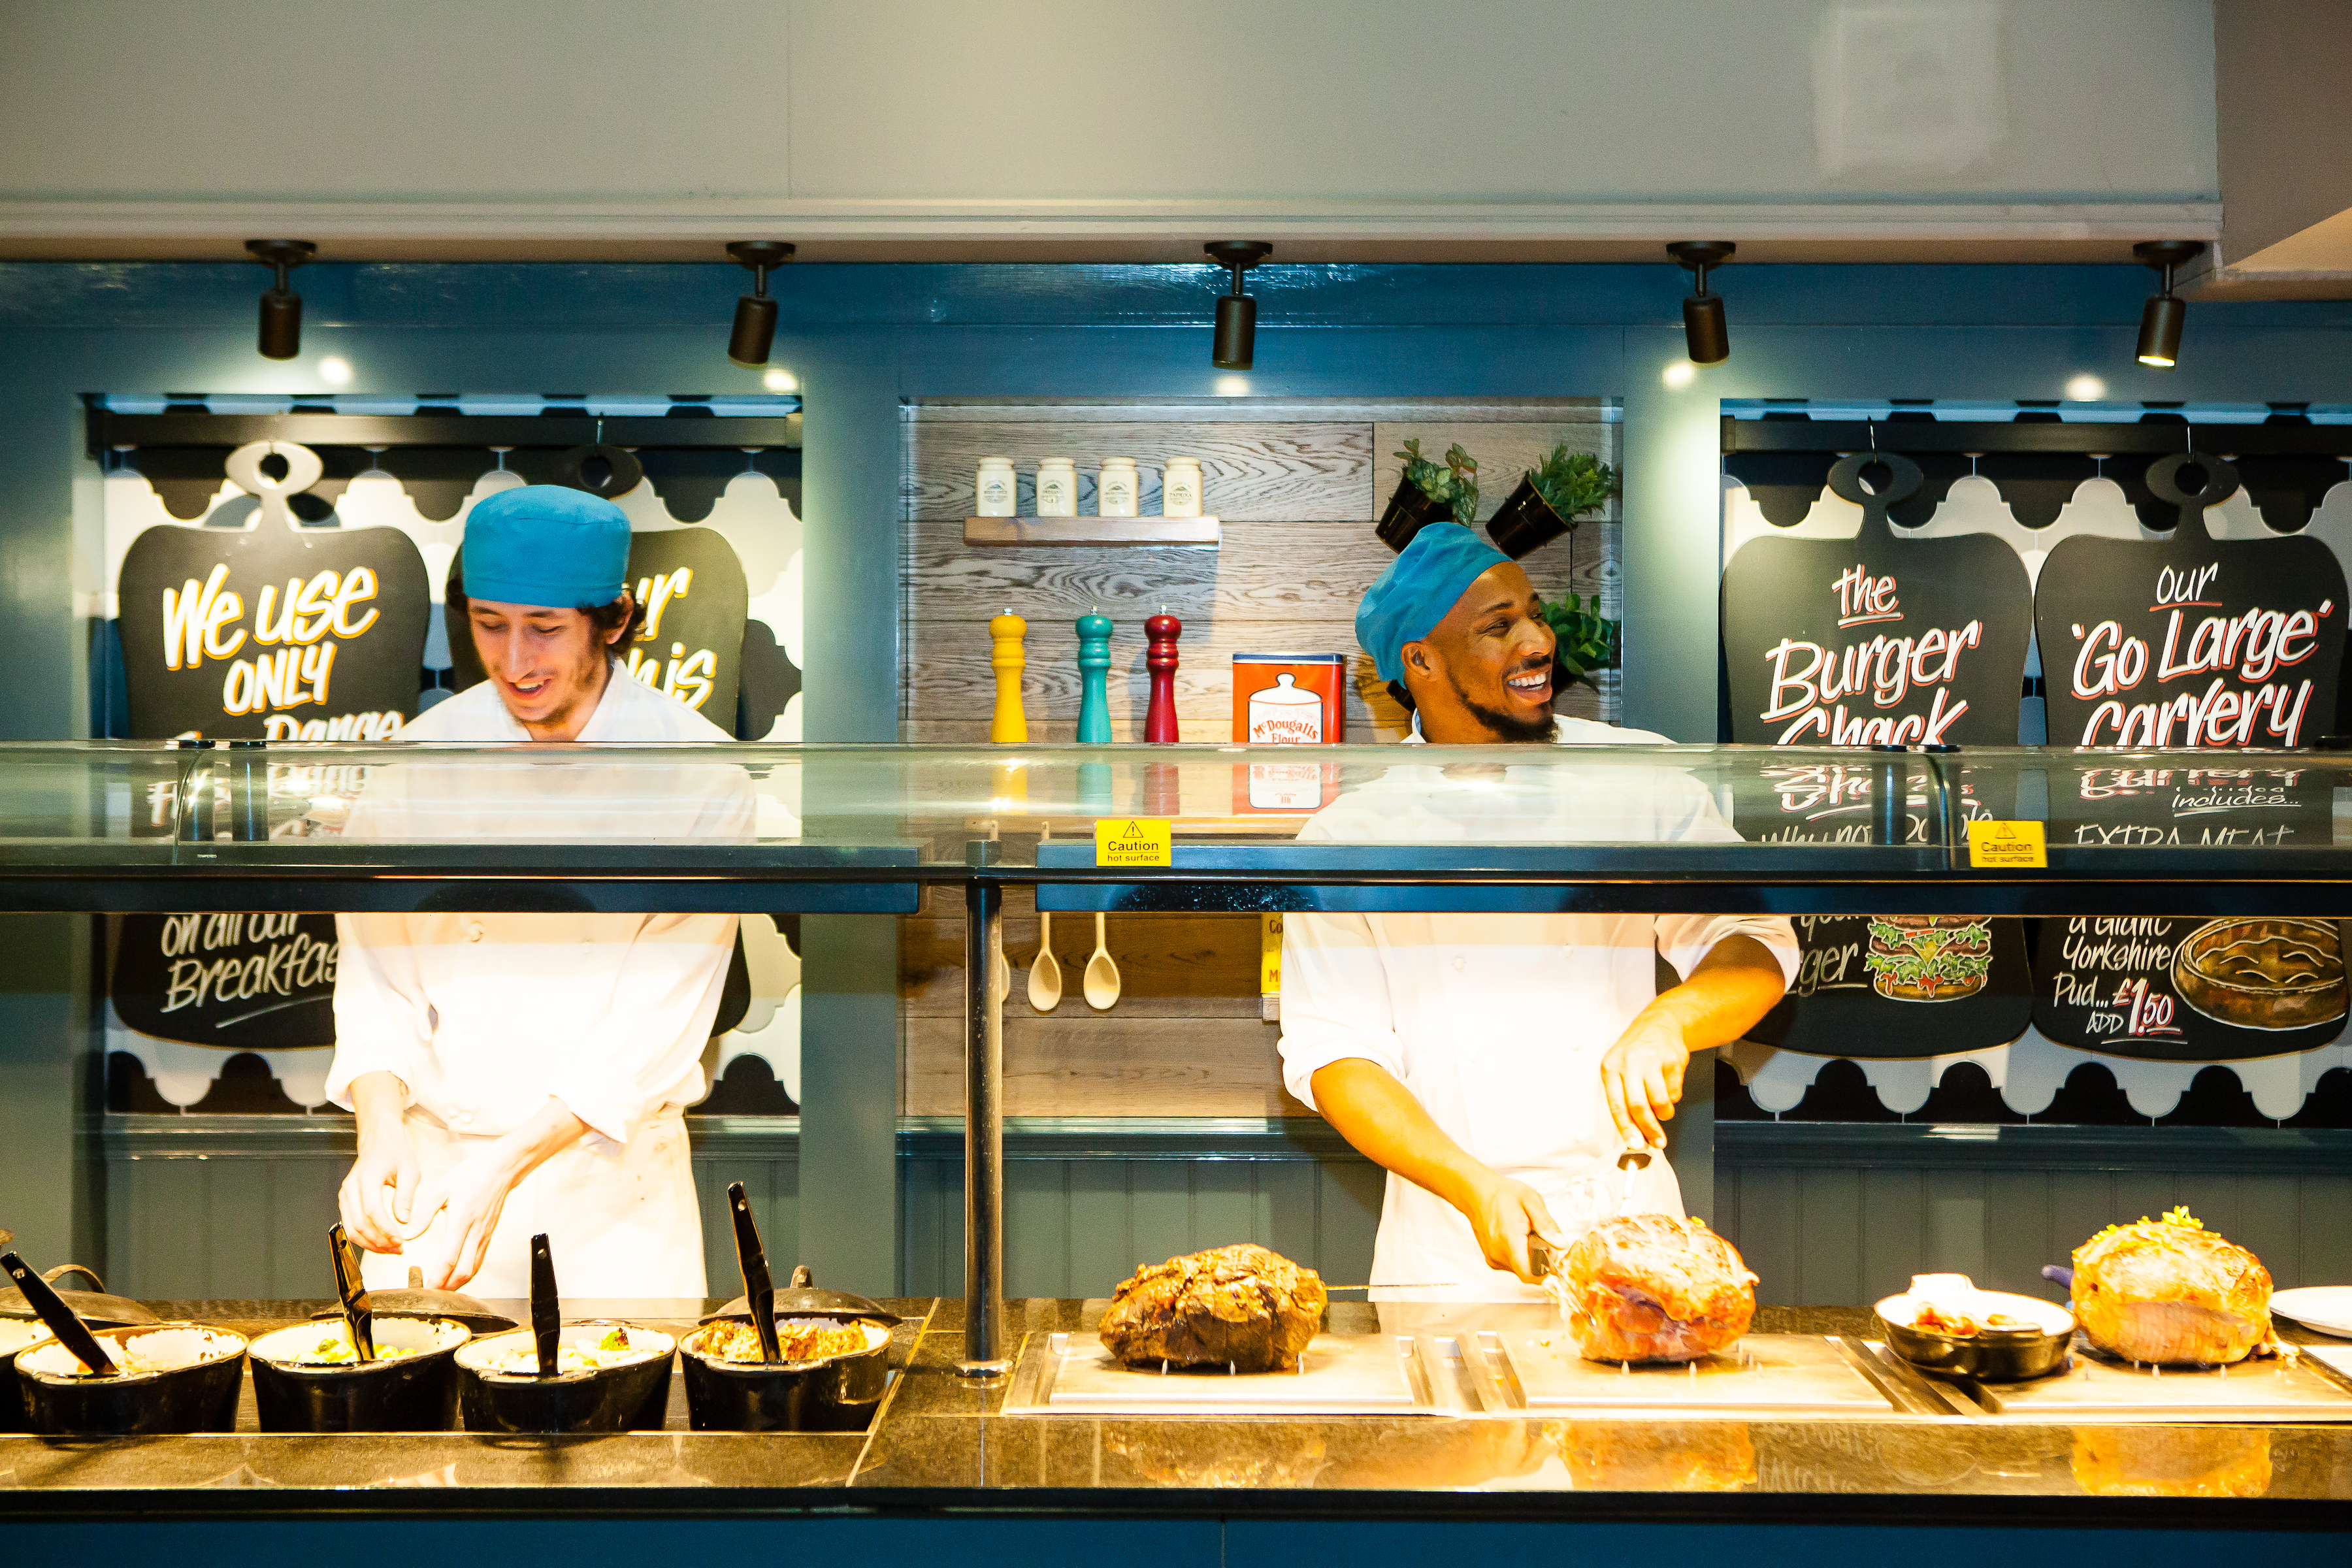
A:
[309,1378]
[610,1376]
[169,1378]
[1990,1335]
[829,1376]
[16,1334]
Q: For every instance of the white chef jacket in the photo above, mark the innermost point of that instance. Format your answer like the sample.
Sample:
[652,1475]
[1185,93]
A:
[484,1016]
[1498,1022]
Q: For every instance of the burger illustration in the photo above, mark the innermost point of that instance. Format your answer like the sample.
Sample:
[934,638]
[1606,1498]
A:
[1928,957]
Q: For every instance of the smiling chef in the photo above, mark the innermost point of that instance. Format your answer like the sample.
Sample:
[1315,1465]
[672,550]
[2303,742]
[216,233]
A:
[1498,1065]
[519,1073]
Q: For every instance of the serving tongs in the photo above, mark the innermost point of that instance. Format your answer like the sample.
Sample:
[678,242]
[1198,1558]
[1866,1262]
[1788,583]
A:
[350,1294]
[60,1318]
[546,1307]
[759,1285]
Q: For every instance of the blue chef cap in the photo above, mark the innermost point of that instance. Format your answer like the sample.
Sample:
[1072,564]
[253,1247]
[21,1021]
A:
[546,544]
[1425,582]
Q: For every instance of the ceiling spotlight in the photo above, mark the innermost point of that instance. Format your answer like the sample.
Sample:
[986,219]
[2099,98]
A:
[282,308]
[1236,338]
[1704,328]
[755,314]
[2161,319]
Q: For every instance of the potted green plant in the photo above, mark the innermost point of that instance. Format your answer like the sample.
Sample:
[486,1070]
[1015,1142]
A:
[1428,490]
[1588,640]
[1550,497]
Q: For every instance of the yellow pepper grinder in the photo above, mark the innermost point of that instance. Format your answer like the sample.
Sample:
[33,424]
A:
[1009,723]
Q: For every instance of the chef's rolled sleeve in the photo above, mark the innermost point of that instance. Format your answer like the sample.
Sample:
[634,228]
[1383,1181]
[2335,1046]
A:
[1335,1001]
[664,997]
[1683,941]
[379,1026]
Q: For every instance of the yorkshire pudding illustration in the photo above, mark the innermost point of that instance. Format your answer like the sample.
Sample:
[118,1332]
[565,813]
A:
[2267,973]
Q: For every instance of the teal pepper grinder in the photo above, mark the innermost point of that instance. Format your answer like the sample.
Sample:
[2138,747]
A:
[1093,672]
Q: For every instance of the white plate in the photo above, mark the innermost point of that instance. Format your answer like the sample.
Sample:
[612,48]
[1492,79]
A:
[2328,1308]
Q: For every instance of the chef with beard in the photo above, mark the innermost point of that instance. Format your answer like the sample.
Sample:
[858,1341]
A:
[1498,1065]
[513,1074]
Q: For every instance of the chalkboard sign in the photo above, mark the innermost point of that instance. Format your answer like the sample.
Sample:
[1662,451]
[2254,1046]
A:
[2189,640]
[1880,640]
[2191,989]
[243,981]
[697,601]
[276,632]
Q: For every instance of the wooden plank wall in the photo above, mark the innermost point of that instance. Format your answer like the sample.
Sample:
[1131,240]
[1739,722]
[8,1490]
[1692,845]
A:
[1297,485]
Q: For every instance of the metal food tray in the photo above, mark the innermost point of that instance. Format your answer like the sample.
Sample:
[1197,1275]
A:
[2093,1389]
[1797,1374]
[1338,1374]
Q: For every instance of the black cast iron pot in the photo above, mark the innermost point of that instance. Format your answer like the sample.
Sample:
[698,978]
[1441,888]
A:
[93,1306]
[631,1397]
[835,1393]
[414,1393]
[1409,509]
[197,1394]
[1525,523]
[15,1336]
[1990,1355]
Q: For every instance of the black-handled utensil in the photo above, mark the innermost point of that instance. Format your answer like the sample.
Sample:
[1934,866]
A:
[60,1318]
[759,1285]
[350,1294]
[546,1314]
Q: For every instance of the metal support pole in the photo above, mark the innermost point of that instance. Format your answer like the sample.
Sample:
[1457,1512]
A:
[984,1337]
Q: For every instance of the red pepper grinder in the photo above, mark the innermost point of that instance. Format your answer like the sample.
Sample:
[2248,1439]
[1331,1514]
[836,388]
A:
[1159,717]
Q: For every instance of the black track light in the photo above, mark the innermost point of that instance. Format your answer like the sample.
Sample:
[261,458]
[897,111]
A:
[755,314]
[1705,332]
[282,308]
[2161,319]
[1236,339]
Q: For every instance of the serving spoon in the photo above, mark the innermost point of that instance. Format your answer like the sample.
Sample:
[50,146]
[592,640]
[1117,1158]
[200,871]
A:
[1046,974]
[1102,974]
[758,1285]
[357,1312]
[60,1318]
[546,1307]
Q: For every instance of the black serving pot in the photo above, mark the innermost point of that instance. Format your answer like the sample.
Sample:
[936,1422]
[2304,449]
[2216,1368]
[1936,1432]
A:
[633,1397]
[1993,1355]
[836,1393]
[200,1396]
[93,1306]
[1409,509]
[13,1337]
[407,1393]
[1525,523]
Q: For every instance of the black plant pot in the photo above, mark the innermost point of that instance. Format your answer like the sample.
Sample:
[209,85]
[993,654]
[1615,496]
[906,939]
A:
[1409,510]
[410,1394]
[1526,522]
[633,1397]
[839,1394]
[198,1397]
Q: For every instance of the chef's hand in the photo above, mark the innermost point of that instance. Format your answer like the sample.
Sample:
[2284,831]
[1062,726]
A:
[377,1196]
[462,1205]
[1641,1079]
[1503,1214]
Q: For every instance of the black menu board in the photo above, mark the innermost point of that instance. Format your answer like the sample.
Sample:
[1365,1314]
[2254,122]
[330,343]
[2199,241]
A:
[697,601]
[240,980]
[2189,640]
[1880,640]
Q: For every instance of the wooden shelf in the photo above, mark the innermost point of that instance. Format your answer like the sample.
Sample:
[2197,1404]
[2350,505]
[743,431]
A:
[1091,531]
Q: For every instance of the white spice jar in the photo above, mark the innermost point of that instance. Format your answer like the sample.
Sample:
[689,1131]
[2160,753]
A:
[1116,487]
[1057,487]
[1180,488]
[995,491]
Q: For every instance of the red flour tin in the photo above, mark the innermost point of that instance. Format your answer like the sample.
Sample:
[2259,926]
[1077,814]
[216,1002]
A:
[1287,699]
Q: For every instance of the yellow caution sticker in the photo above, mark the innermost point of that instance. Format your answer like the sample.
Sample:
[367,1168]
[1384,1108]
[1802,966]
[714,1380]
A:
[1269,955]
[2008,846]
[1134,841]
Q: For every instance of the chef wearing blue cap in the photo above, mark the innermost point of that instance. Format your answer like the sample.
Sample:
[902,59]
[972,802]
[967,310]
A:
[1498,1066]
[514,1074]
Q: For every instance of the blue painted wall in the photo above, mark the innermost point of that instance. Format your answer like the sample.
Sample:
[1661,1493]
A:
[861,338]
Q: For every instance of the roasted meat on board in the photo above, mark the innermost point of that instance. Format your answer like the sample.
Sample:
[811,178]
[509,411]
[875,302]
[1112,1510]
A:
[1653,1288]
[1241,1306]
[2171,1291]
